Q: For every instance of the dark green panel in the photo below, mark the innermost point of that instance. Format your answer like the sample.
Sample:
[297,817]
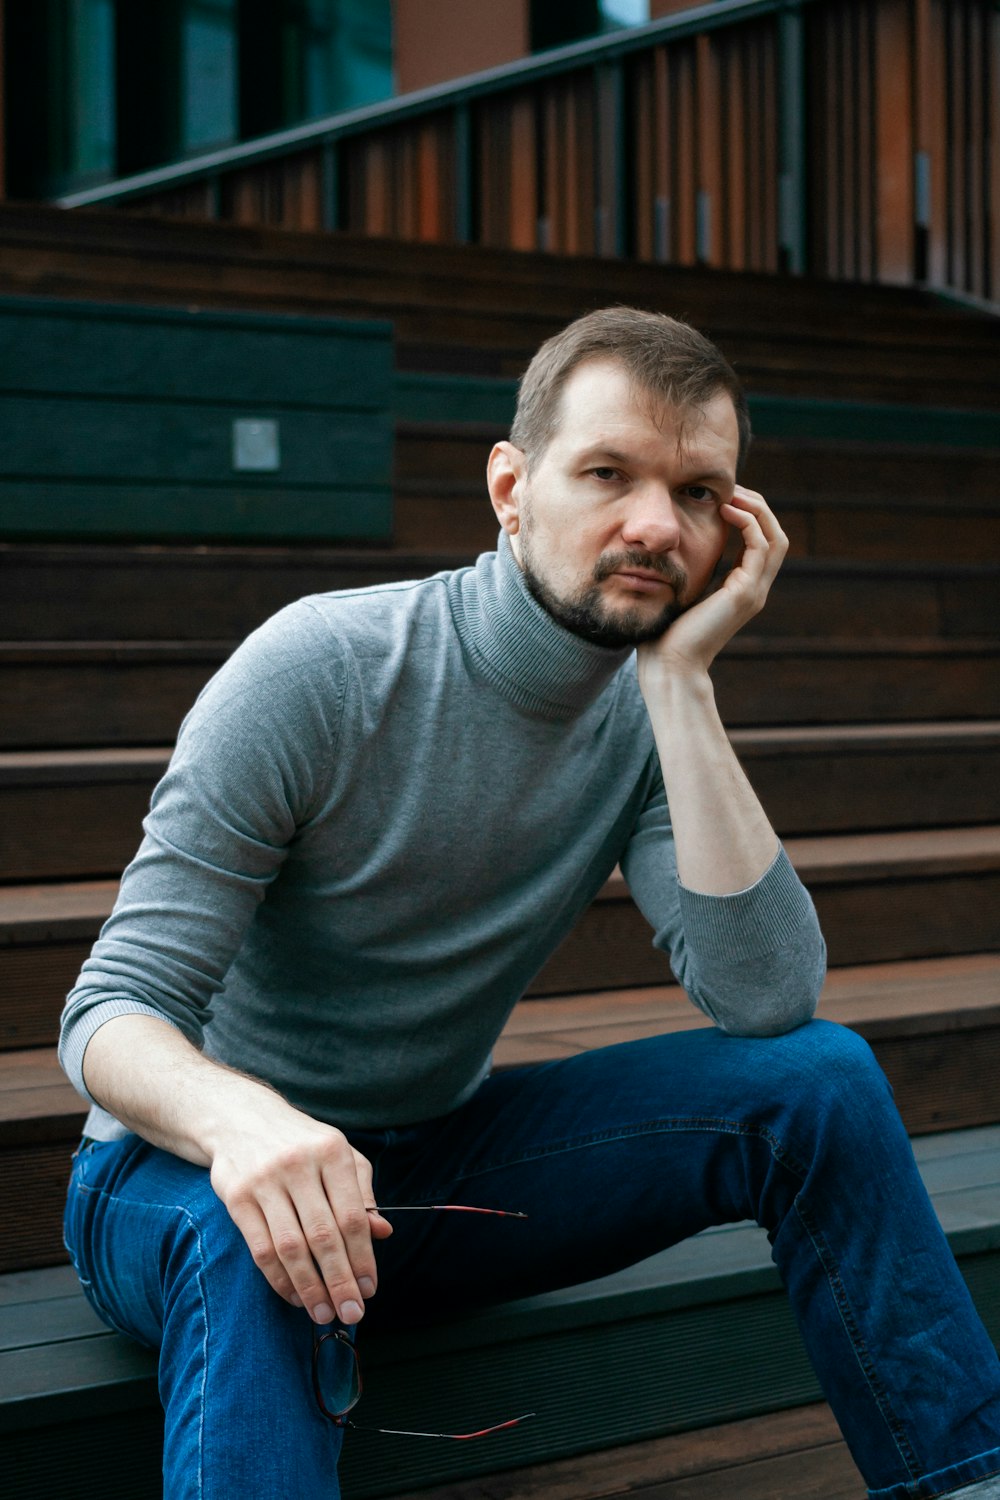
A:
[874,422]
[48,438]
[95,350]
[177,512]
[452,398]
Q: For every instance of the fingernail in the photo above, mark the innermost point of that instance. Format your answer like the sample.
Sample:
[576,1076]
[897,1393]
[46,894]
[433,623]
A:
[323,1312]
[351,1312]
[366,1286]
[295,1299]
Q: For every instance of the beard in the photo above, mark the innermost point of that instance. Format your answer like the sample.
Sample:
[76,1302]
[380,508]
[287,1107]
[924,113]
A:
[588,613]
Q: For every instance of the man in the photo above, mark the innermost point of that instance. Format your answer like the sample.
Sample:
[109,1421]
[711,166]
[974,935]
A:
[382,816]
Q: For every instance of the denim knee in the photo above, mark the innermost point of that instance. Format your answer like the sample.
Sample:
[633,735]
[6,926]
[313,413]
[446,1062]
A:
[829,1069]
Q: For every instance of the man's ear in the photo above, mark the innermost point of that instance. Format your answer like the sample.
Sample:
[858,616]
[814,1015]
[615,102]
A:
[505,472]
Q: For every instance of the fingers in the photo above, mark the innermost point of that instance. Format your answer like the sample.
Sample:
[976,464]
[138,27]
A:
[765,544]
[305,1219]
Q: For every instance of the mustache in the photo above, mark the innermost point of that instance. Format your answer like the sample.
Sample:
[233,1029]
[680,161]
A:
[611,562]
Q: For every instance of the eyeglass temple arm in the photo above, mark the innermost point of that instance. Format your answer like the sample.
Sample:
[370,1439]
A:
[454,1208]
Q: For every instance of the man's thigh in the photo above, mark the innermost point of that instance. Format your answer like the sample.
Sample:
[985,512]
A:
[613,1155]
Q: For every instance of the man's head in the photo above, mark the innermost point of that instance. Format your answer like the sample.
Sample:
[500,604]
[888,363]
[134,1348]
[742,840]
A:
[629,431]
[663,357]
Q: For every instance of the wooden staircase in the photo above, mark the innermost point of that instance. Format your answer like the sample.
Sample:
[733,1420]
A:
[865,703]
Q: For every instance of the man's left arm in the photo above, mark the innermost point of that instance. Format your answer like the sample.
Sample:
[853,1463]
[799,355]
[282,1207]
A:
[730,866]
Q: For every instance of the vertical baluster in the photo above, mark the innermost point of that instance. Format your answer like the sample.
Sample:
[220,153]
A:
[991,85]
[893,141]
[682,70]
[736,151]
[975,144]
[461,157]
[663,144]
[642,147]
[709,145]
[330,184]
[791,129]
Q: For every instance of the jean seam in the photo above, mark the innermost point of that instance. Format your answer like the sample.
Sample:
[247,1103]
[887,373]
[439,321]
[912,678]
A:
[192,1223]
[938,1494]
[879,1394]
[696,1124]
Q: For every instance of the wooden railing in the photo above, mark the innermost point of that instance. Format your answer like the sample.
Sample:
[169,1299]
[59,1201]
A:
[853,139]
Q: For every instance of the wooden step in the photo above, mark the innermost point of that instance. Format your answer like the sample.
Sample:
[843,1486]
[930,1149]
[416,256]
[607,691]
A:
[717,1339]
[784,1455]
[880,897]
[54,695]
[66,592]
[77,814]
[62,593]
[907,894]
[44,248]
[934,1026]
[836,499]
[467,310]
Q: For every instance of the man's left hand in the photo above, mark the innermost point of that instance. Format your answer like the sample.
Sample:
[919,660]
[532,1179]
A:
[697,636]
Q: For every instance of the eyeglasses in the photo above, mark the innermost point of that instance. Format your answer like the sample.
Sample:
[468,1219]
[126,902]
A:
[336,1369]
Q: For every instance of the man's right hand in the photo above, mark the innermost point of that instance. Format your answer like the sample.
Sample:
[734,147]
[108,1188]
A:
[296,1189]
[301,1197]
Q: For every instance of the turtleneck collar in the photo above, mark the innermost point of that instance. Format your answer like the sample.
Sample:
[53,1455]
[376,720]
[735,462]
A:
[516,645]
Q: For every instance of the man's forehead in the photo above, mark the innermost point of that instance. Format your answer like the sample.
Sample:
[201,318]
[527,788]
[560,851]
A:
[601,404]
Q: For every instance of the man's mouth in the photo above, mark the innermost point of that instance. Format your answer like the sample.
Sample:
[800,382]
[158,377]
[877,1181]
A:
[644,582]
[642,574]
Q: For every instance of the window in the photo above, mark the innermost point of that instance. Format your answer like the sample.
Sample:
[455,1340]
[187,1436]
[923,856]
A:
[555,23]
[102,88]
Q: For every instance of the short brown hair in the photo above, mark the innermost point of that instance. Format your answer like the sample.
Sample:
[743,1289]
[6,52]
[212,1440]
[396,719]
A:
[662,355]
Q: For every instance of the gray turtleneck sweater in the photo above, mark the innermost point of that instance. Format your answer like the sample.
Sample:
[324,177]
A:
[382,816]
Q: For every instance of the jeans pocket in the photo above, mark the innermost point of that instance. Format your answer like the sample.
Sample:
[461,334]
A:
[82,1226]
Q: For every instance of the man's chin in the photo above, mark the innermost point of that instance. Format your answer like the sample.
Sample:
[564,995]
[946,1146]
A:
[616,629]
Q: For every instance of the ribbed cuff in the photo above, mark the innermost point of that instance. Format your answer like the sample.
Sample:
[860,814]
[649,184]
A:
[77,1034]
[751,923]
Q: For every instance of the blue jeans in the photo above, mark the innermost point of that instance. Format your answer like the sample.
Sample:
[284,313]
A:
[614,1154]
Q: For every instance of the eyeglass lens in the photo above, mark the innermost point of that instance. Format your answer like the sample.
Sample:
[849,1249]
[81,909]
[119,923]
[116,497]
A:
[338,1382]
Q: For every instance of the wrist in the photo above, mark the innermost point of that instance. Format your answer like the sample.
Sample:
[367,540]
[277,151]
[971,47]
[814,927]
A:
[663,680]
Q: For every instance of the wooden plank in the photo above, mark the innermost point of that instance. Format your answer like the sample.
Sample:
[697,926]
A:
[58,591]
[68,814]
[137,693]
[721,1458]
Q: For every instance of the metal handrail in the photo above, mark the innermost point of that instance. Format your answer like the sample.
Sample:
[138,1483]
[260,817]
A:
[702,18]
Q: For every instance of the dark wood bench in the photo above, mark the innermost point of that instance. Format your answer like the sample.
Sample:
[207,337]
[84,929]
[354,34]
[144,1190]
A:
[698,1335]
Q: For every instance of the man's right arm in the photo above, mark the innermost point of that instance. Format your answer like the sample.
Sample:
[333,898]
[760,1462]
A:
[248,768]
[295,1188]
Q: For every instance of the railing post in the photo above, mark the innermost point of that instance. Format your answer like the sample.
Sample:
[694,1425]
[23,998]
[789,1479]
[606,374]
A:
[791,139]
[330,184]
[610,158]
[462,167]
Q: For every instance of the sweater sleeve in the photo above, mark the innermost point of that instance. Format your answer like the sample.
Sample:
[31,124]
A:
[753,961]
[252,759]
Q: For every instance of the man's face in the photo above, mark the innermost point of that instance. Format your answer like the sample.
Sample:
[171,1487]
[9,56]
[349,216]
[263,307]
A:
[617,526]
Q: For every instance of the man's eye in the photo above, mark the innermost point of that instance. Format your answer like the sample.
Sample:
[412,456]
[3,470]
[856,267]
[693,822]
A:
[701,493]
[605,473]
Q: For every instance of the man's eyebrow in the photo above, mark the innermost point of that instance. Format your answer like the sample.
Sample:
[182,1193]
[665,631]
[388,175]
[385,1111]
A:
[599,451]
[718,476]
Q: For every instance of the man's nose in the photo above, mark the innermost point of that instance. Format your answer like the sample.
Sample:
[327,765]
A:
[652,520]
